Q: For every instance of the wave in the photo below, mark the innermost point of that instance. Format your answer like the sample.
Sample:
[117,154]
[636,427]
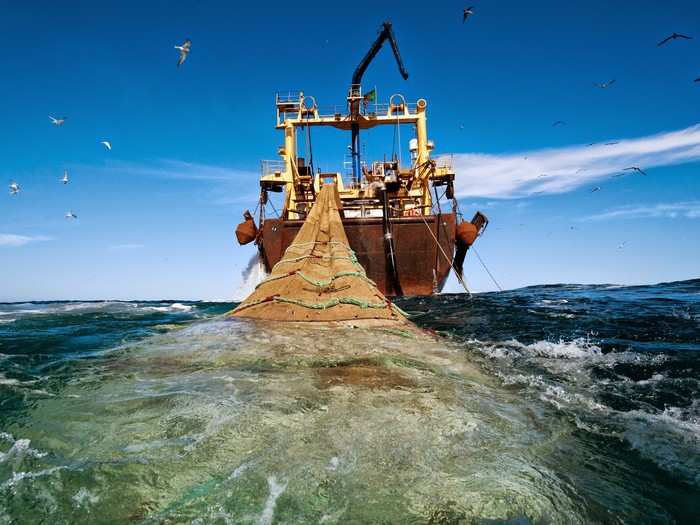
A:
[15,311]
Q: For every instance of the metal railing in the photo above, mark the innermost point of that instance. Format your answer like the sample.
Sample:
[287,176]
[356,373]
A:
[288,96]
[272,167]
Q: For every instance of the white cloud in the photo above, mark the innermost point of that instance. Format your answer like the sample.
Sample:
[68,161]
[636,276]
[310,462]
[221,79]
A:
[672,210]
[11,239]
[559,170]
[177,169]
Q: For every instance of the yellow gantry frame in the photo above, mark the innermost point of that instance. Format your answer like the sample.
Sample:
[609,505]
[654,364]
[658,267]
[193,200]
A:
[297,113]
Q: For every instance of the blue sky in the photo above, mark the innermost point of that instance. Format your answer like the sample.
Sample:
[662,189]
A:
[156,214]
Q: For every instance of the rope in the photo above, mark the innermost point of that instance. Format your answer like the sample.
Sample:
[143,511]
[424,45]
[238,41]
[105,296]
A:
[487,270]
[314,282]
[459,277]
[323,305]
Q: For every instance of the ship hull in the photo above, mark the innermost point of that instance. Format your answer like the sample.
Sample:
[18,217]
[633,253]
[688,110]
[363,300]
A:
[422,267]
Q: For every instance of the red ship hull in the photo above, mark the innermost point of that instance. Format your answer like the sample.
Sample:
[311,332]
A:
[422,267]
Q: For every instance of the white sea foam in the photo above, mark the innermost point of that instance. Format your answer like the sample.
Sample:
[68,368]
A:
[84,498]
[276,489]
[20,476]
[574,349]
[239,470]
[9,381]
[333,464]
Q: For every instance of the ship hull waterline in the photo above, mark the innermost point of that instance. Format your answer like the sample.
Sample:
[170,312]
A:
[422,267]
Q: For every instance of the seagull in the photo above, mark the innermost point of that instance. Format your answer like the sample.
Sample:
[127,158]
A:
[71,215]
[611,143]
[673,37]
[558,123]
[184,51]
[621,245]
[542,175]
[697,79]
[597,188]
[605,85]
[14,188]
[637,169]
[469,11]
[64,180]
[107,144]
[58,121]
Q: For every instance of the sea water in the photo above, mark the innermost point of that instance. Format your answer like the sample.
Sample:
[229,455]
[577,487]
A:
[550,404]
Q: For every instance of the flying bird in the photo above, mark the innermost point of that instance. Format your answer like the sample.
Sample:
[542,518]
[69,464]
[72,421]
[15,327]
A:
[64,179]
[611,143]
[621,245]
[71,215]
[58,121]
[673,37]
[107,144]
[184,51]
[605,85]
[597,188]
[635,168]
[469,11]
[697,79]
[558,123]
[14,188]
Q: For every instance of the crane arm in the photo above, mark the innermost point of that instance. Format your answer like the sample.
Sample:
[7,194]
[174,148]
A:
[386,33]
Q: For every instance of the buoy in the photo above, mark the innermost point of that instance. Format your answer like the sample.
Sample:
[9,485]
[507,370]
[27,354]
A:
[246,231]
[466,233]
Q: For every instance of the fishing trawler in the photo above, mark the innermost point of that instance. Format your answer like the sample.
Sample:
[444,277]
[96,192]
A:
[392,214]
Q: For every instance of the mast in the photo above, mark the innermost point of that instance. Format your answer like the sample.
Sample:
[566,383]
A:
[355,94]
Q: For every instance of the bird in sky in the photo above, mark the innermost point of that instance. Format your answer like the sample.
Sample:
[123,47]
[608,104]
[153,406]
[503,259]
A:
[673,37]
[611,143]
[697,79]
[64,179]
[71,215]
[184,51]
[58,121]
[107,144]
[605,85]
[558,123]
[14,188]
[621,245]
[469,11]
[636,168]
[597,188]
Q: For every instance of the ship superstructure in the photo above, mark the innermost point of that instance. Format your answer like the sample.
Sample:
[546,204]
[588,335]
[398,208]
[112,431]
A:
[392,213]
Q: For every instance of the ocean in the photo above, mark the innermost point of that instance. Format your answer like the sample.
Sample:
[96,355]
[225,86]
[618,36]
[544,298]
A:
[548,404]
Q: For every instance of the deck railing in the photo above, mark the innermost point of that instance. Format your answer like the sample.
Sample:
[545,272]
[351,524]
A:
[272,167]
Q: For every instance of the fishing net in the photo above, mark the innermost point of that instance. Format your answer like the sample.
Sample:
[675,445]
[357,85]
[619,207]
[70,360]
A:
[319,278]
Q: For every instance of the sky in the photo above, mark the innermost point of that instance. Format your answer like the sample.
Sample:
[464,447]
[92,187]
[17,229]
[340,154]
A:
[156,214]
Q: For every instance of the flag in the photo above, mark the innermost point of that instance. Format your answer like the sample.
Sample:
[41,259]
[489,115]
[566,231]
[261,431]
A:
[370,96]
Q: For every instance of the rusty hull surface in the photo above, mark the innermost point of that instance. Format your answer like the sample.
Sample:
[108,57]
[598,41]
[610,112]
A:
[417,255]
